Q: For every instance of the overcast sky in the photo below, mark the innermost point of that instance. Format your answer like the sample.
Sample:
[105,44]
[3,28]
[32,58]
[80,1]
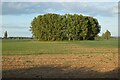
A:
[17,16]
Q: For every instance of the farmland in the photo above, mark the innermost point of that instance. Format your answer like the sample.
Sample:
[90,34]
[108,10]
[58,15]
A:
[43,59]
[30,47]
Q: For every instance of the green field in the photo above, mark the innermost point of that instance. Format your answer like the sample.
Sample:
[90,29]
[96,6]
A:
[31,47]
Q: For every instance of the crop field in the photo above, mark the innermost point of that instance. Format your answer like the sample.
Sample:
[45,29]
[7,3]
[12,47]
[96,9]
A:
[60,59]
[29,47]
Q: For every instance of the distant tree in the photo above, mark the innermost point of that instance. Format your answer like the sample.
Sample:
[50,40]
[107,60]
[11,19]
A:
[97,37]
[5,35]
[107,35]
[103,35]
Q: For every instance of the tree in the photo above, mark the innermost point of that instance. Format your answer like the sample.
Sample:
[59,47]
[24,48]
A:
[97,37]
[5,35]
[103,36]
[64,27]
[107,35]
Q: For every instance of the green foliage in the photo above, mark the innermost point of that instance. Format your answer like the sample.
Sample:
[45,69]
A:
[5,35]
[97,37]
[106,35]
[64,27]
[103,35]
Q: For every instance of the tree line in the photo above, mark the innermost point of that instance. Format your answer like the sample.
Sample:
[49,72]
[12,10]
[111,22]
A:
[64,27]
[105,35]
[6,37]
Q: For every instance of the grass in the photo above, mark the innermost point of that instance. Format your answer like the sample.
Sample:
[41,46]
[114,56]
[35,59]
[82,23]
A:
[30,47]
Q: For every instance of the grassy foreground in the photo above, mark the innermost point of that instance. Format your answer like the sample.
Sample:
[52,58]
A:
[30,47]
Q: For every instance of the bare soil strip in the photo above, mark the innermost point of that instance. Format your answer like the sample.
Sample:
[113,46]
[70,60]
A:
[61,65]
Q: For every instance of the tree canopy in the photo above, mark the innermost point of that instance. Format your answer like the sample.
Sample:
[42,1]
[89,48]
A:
[64,27]
[106,35]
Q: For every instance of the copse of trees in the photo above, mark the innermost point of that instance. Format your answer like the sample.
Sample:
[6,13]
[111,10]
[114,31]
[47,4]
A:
[64,27]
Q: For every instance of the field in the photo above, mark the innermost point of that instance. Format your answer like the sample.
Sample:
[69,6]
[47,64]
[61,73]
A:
[46,59]
[29,47]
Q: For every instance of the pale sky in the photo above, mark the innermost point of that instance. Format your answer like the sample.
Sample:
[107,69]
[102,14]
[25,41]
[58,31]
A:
[17,16]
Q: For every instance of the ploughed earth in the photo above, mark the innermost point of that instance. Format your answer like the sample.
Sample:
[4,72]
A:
[61,66]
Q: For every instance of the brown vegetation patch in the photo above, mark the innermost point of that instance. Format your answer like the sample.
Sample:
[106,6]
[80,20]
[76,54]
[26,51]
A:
[82,49]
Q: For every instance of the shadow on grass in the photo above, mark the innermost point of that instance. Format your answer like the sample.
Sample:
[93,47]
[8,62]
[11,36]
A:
[58,72]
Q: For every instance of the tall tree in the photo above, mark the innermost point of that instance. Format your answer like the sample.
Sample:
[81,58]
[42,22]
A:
[5,35]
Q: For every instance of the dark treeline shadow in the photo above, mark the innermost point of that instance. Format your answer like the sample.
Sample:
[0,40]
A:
[51,72]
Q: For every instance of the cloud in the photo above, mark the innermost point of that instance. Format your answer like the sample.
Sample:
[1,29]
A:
[93,8]
[59,0]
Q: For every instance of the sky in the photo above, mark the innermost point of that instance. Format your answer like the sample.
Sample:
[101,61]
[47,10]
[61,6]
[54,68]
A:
[17,16]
